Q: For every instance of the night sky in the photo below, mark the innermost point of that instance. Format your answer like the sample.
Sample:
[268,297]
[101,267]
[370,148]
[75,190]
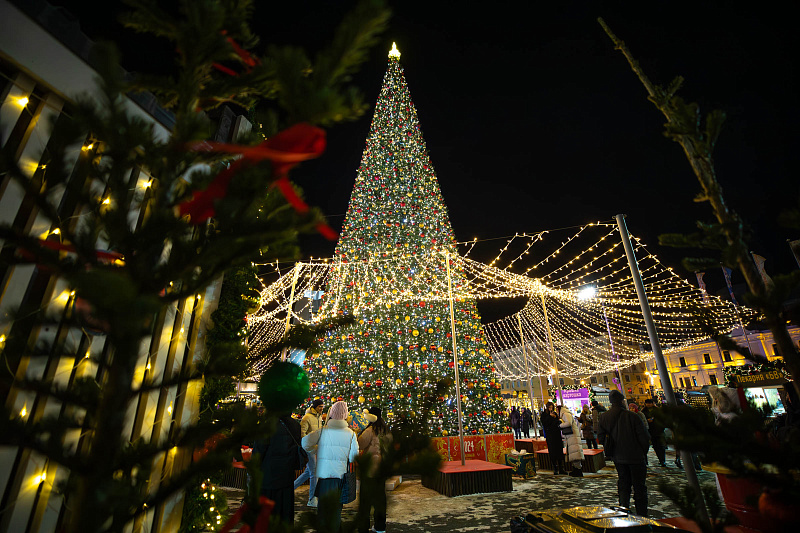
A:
[533,121]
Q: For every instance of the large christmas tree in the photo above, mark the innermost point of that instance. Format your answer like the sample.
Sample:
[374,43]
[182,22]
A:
[389,260]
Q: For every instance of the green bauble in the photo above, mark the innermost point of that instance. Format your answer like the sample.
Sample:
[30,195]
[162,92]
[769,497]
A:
[283,387]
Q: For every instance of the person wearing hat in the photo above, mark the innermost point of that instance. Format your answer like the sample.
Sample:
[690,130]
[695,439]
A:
[372,441]
[625,438]
[335,445]
[312,421]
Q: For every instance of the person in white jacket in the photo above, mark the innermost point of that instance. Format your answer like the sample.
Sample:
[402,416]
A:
[335,445]
[572,439]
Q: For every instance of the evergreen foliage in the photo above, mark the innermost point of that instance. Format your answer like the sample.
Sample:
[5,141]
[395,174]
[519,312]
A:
[165,260]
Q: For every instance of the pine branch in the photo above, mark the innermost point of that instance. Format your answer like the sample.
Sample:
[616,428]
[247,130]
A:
[684,127]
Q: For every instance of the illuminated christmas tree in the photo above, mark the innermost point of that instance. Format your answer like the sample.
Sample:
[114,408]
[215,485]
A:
[389,261]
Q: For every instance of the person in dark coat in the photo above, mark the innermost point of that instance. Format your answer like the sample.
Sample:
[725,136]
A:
[625,438]
[656,431]
[515,420]
[552,434]
[527,422]
[279,459]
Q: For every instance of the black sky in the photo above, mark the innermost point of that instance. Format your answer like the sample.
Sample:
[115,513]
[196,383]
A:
[533,121]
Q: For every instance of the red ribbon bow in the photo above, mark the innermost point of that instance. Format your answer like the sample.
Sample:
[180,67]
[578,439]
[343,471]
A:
[262,522]
[285,149]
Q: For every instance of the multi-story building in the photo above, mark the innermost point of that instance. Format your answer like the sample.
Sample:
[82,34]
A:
[703,363]
[45,62]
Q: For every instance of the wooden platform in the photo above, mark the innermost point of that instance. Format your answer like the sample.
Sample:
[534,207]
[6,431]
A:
[530,445]
[453,479]
[593,461]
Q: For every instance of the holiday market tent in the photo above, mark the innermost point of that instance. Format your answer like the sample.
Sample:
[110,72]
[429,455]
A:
[411,288]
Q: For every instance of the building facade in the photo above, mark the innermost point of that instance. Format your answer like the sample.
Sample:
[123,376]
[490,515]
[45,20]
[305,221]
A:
[45,63]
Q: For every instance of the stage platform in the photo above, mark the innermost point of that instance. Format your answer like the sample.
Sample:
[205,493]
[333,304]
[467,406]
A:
[530,445]
[453,479]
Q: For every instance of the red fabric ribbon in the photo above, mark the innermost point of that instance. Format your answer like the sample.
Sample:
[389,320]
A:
[243,54]
[262,522]
[285,150]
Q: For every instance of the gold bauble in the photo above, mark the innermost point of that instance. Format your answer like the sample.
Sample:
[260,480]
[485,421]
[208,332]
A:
[390,364]
[415,333]
[360,383]
[397,382]
[444,432]
[360,399]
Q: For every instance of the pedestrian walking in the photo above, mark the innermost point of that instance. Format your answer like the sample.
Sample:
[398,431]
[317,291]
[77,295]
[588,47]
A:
[656,430]
[279,460]
[597,408]
[527,422]
[624,438]
[552,434]
[515,421]
[587,427]
[372,442]
[572,439]
[312,421]
[335,445]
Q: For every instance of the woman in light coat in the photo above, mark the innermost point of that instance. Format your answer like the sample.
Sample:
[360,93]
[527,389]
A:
[573,441]
[335,445]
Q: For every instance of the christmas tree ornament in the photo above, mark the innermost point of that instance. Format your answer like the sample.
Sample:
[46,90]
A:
[283,387]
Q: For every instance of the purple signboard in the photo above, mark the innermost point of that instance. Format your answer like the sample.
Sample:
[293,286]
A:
[580,394]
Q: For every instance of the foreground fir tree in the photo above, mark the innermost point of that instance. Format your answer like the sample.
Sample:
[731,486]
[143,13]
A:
[390,270]
[207,209]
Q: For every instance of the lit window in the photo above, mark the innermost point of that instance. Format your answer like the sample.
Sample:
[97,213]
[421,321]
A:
[707,358]
[683,361]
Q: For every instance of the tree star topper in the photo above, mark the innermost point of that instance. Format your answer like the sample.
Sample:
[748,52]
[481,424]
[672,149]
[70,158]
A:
[394,52]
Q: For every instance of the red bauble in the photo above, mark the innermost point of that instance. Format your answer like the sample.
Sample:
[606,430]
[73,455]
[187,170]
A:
[450,364]
[424,367]
[410,381]
[379,383]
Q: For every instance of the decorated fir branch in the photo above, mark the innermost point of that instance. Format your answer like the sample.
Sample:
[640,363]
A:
[198,219]
[698,139]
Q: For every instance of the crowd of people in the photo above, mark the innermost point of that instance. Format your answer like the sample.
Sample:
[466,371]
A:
[625,432]
[326,446]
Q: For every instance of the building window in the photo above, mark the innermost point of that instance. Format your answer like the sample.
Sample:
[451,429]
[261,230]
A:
[713,378]
[641,391]
[707,358]
[726,356]
[638,377]
[775,351]
[683,361]
[683,386]
[593,379]
[694,381]
[628,378]
[605,379]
